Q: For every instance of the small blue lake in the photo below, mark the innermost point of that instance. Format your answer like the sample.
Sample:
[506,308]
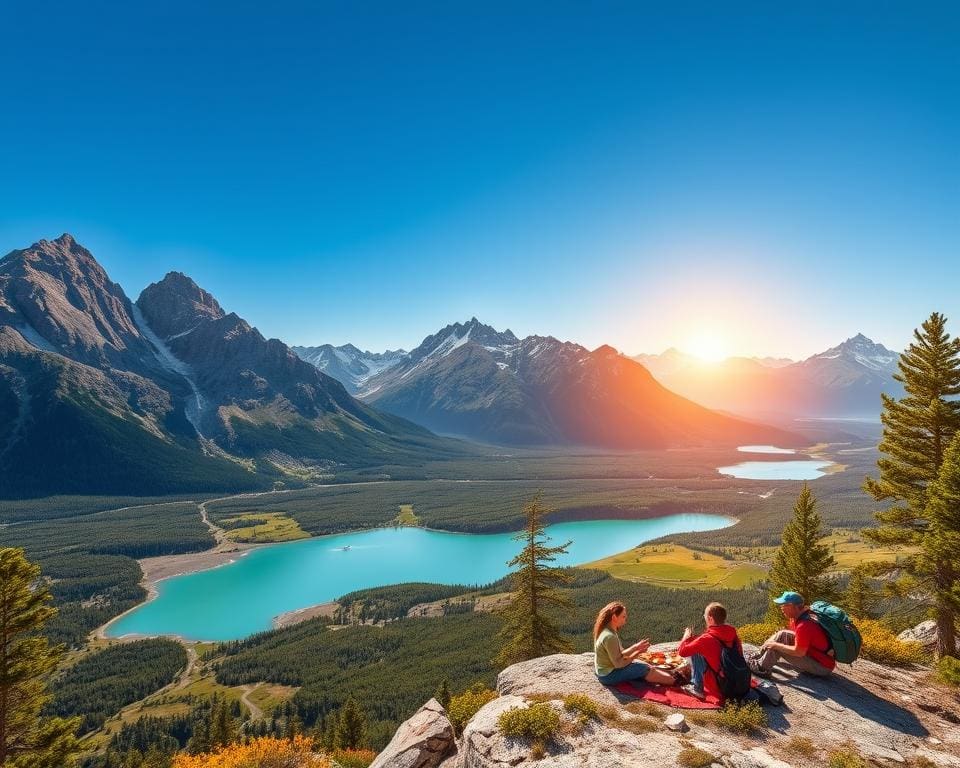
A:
[787,469]
[236,600]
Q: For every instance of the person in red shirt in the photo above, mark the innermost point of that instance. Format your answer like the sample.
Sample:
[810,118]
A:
[704,652]
[804,646]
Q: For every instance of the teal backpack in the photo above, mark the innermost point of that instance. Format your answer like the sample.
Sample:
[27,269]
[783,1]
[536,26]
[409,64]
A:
[844,637]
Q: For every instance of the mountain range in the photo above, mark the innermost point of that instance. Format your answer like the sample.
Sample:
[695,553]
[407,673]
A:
[844,381]
[471,380]
[171,393]
[102,395]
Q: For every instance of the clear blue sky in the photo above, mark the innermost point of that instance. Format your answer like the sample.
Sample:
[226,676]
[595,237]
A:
[602,172]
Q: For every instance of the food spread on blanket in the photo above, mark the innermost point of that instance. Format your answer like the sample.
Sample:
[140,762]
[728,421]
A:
[669,660]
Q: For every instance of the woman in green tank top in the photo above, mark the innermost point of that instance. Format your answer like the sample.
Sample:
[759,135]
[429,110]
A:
[614,663]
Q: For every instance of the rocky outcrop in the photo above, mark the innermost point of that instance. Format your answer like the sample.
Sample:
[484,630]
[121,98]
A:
[888,716]
[924,633]
[423,741]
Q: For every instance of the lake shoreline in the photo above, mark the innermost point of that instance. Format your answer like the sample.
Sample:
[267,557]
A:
[157,569]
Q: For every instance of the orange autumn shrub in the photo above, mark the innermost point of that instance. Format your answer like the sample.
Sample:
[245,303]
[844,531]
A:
[266,752]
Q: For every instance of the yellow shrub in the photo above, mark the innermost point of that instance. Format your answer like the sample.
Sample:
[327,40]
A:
[260,753]
[757,634]
[463,707]
[882,646]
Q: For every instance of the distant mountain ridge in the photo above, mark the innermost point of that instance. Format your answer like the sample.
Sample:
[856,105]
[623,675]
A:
[844,381]
[100,395]
[470,380]
[350,366]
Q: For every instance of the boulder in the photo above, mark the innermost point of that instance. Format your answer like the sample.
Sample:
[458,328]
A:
[424,741]
[925,632]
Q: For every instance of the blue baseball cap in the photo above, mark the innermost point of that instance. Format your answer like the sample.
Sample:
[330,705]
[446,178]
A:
[794,598]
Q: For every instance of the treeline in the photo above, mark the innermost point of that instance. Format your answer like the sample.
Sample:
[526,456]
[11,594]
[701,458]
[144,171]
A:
[90,559]
[494,506]
[52,507]
[103,682]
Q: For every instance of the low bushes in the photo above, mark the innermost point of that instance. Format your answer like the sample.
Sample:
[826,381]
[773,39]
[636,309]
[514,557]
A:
[463,707]
[539,723]
[948,671]
[582,706]
[882,646]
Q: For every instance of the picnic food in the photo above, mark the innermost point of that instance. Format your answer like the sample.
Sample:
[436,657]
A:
[661,659]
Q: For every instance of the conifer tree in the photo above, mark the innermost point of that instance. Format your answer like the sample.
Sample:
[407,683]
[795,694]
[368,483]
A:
[528,631]
[940,553]
[351,726]
[802,561]
[26,662]
[858,598]
[294,726]
[443,693]
[222,731]
[917,430]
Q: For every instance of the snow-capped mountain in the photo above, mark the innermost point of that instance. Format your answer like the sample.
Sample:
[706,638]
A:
[844,381]
[469,379]
[351,366]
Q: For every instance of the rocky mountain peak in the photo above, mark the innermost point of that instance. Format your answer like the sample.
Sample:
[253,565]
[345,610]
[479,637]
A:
[453,336]
[863,351]
[176,305]
[59,298]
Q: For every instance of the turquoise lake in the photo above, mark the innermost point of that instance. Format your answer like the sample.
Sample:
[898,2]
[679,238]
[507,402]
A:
[238,599]
[788,469]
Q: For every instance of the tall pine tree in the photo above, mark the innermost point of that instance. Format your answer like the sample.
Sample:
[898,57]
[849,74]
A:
[802,562]
[351,730]
[528,631]
[26,662]
[940,554]
[858,597]
[917,429]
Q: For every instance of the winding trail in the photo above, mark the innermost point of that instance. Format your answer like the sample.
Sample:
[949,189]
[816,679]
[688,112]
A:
[255,712]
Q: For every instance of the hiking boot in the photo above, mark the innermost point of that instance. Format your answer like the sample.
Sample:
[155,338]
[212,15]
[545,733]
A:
[695,692]
[753,664]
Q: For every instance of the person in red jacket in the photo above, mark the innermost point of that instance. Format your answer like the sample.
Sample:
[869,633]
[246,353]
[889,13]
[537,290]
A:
[704,652]
[805,646]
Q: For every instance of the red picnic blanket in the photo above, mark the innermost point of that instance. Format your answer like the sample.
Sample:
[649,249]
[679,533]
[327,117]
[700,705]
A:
[670,695]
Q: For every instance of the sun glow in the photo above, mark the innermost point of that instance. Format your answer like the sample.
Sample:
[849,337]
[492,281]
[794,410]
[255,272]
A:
[709,347]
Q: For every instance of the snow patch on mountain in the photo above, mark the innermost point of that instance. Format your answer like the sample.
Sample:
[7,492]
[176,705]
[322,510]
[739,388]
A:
[32,336]
[195,406]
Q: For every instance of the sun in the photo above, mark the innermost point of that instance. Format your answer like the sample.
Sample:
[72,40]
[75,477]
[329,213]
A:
[708,347]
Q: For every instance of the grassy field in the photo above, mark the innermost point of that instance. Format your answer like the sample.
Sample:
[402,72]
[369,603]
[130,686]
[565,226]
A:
[847,545]
[671,565]
[406,516]
[263,527]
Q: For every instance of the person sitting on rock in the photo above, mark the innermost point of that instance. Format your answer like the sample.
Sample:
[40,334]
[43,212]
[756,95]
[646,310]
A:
[804,646]
[705,652]
[614,663]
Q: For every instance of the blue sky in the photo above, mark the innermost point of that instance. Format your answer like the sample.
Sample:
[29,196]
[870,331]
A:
[777,177]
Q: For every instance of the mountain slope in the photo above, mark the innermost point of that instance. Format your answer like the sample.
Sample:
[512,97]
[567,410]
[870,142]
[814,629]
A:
[259,397]
[98,395]
[845,381]
[469,379]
